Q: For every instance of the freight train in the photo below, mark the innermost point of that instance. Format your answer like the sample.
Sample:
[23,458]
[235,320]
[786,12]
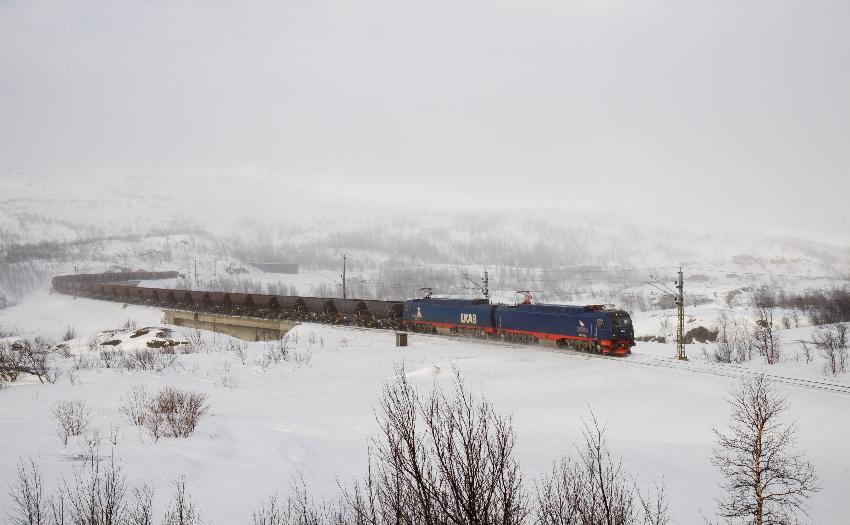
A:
[591,328]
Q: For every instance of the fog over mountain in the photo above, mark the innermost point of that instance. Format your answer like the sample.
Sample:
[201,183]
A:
[710,113]
[546,135]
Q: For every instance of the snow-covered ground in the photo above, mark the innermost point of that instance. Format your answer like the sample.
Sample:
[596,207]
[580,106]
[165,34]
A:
[317,419]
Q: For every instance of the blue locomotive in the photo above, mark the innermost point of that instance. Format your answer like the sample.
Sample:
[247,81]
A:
[591,328]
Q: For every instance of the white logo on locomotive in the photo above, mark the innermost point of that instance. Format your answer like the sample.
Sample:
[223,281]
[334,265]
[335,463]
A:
[468,319]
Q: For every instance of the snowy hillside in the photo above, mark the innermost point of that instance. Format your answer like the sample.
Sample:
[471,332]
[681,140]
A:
[50,224]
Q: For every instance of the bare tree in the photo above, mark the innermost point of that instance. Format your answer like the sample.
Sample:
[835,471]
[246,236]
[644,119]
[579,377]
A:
[31,503]
[594,489]
[69,333]
[181,511]
[141,513]
[766,339]
[300,509]
[448,459]
[807,352]
[725,340]
[97,495]
[743,341]
[766,483]
[270,513]
[832,343]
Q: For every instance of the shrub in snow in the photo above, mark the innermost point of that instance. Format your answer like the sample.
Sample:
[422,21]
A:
[111,358]
[721,354]
[41,360]
[300,509]
[735,340]
[84,362]
[92,441]
[226,378]
[147,359]
[194,342]
[141,512]
[72,418]
[29,357]
[302,357]
[136,405]
[62,349]
[11,363]
[448,458]
[594,488]
[169,413]
[97,495]
[31,504]
[832,343]
[69,334]
[140,359]
[281,350]
[93,343]
[271,512]
[238,348]
[181,511]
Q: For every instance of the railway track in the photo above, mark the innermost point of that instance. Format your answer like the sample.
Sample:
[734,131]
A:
[718,369]
[733,371]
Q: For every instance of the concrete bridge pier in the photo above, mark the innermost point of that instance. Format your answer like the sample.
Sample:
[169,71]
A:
[246,328]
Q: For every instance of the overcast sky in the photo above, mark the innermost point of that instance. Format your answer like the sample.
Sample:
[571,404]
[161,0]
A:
[685,107]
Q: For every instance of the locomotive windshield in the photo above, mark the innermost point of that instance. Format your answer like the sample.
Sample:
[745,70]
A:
[622,321]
